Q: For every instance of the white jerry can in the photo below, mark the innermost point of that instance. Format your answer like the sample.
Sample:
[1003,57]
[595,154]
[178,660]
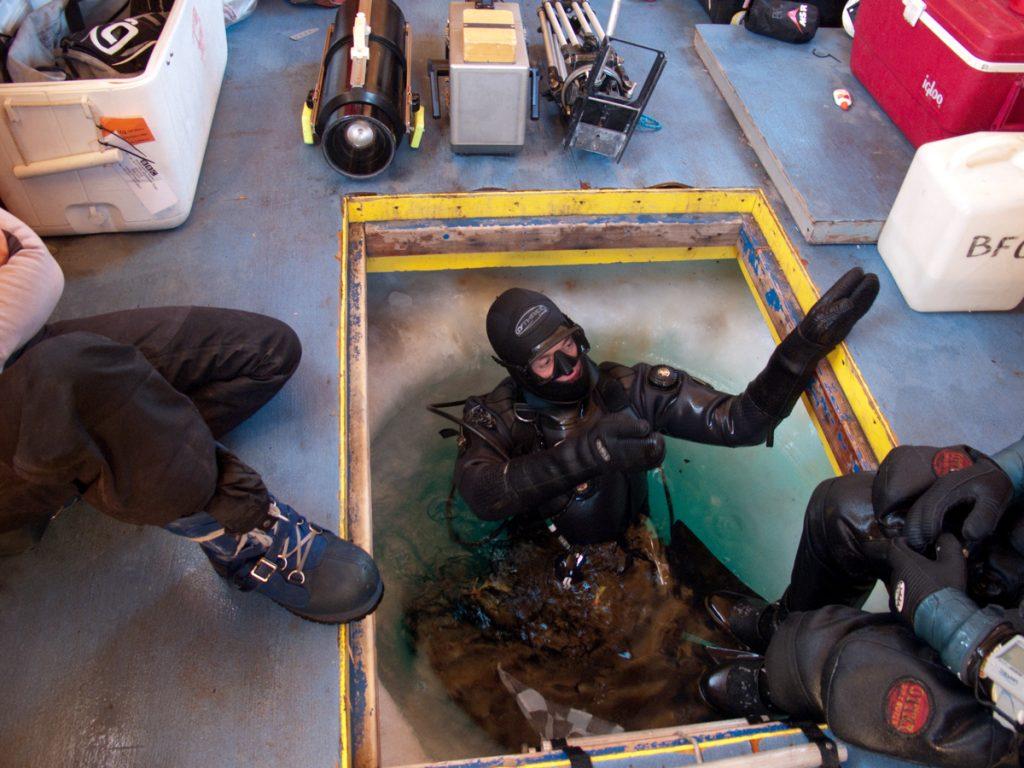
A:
[116,155]
[954,240]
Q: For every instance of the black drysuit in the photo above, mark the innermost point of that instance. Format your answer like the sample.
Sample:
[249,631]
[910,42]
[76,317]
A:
[882,688]
[590,506]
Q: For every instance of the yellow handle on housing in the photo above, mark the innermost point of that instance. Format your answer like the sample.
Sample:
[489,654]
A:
[419,124]
[307,122]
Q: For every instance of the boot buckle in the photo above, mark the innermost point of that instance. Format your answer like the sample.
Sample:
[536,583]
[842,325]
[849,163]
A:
[263,570]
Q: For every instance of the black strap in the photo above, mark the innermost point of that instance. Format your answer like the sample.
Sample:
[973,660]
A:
[827,747]
[73,15]
[577,757]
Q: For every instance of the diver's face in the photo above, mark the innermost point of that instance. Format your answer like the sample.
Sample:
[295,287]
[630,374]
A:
[544,365]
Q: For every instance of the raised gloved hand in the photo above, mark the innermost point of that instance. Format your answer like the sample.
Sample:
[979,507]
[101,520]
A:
[777,388]
[914,576]
[833,316]
[981,491]
[622,443]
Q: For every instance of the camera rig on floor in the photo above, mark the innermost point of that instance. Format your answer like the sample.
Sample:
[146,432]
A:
[587,76]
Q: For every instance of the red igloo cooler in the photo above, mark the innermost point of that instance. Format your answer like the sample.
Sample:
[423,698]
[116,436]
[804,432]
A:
[942,68]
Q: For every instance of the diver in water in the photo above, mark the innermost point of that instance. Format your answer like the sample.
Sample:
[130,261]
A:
[565,441]
[910,683]
[562,445]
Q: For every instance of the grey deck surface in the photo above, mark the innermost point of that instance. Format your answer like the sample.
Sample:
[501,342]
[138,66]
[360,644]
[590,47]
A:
[121,646]
[838,172]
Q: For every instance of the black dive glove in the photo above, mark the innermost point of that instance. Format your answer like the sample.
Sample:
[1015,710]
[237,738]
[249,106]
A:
[981,490]
[906,472]
[777,388]
[929,595]
[616,443]
[621,443]
[914,576]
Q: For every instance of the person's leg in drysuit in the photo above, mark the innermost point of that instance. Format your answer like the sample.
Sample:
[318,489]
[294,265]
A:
[840,556]
[124,409]
[842,546]
[879,687]
[873,681]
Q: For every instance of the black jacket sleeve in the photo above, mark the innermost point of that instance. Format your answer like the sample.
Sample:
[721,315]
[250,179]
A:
[480,470]
[683,406]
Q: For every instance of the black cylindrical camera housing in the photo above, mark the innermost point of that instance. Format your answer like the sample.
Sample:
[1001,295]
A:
[360,128]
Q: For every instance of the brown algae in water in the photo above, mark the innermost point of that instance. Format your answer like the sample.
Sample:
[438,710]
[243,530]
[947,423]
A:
[622,641]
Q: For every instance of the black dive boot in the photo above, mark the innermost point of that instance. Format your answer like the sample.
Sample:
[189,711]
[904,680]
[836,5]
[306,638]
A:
[739,689]
[749,619]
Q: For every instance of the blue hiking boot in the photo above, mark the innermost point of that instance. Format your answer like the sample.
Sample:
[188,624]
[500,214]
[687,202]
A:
[299,565]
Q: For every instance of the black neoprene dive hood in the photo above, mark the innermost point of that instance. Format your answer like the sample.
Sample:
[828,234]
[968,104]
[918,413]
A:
[522,325]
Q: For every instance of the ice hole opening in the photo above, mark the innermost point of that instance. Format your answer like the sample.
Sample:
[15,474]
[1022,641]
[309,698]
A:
[700,279]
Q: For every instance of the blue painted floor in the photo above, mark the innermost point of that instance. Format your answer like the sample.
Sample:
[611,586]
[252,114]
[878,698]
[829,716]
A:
[122,648]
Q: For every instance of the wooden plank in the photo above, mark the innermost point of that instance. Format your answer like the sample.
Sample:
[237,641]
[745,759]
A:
[575,233]
[497,259]
[552,202]
[838,172]
[362,653]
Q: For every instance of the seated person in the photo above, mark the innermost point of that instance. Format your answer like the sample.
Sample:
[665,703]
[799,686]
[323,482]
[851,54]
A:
[850,521]
[907,683]
[125,410]
[567,441]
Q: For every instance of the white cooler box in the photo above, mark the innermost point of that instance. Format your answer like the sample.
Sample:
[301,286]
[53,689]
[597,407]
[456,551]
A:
[63,173]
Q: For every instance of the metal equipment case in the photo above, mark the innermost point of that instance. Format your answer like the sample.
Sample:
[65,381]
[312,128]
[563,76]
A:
[490,81]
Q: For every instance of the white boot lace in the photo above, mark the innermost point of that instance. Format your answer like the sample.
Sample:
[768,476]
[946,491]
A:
[303,545]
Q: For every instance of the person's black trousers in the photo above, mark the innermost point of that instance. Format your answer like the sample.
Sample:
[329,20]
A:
[843,547]
[125,410]
[880,687]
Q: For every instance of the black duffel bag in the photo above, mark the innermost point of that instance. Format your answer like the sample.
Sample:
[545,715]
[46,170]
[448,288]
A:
[782,20]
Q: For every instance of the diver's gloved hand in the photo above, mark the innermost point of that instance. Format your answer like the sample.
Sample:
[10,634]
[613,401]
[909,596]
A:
[905,473]
[777,388]
[914,576]
[980,490]
[623,443]
[833,315]
[616,443]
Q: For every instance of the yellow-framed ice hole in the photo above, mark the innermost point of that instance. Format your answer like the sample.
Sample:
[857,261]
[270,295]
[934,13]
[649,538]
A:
[432,232]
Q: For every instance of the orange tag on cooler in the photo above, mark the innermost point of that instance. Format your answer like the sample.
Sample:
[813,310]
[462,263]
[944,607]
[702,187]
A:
[134,130]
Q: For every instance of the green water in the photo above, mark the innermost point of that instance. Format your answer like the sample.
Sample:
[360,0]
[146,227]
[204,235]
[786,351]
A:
[427,343]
